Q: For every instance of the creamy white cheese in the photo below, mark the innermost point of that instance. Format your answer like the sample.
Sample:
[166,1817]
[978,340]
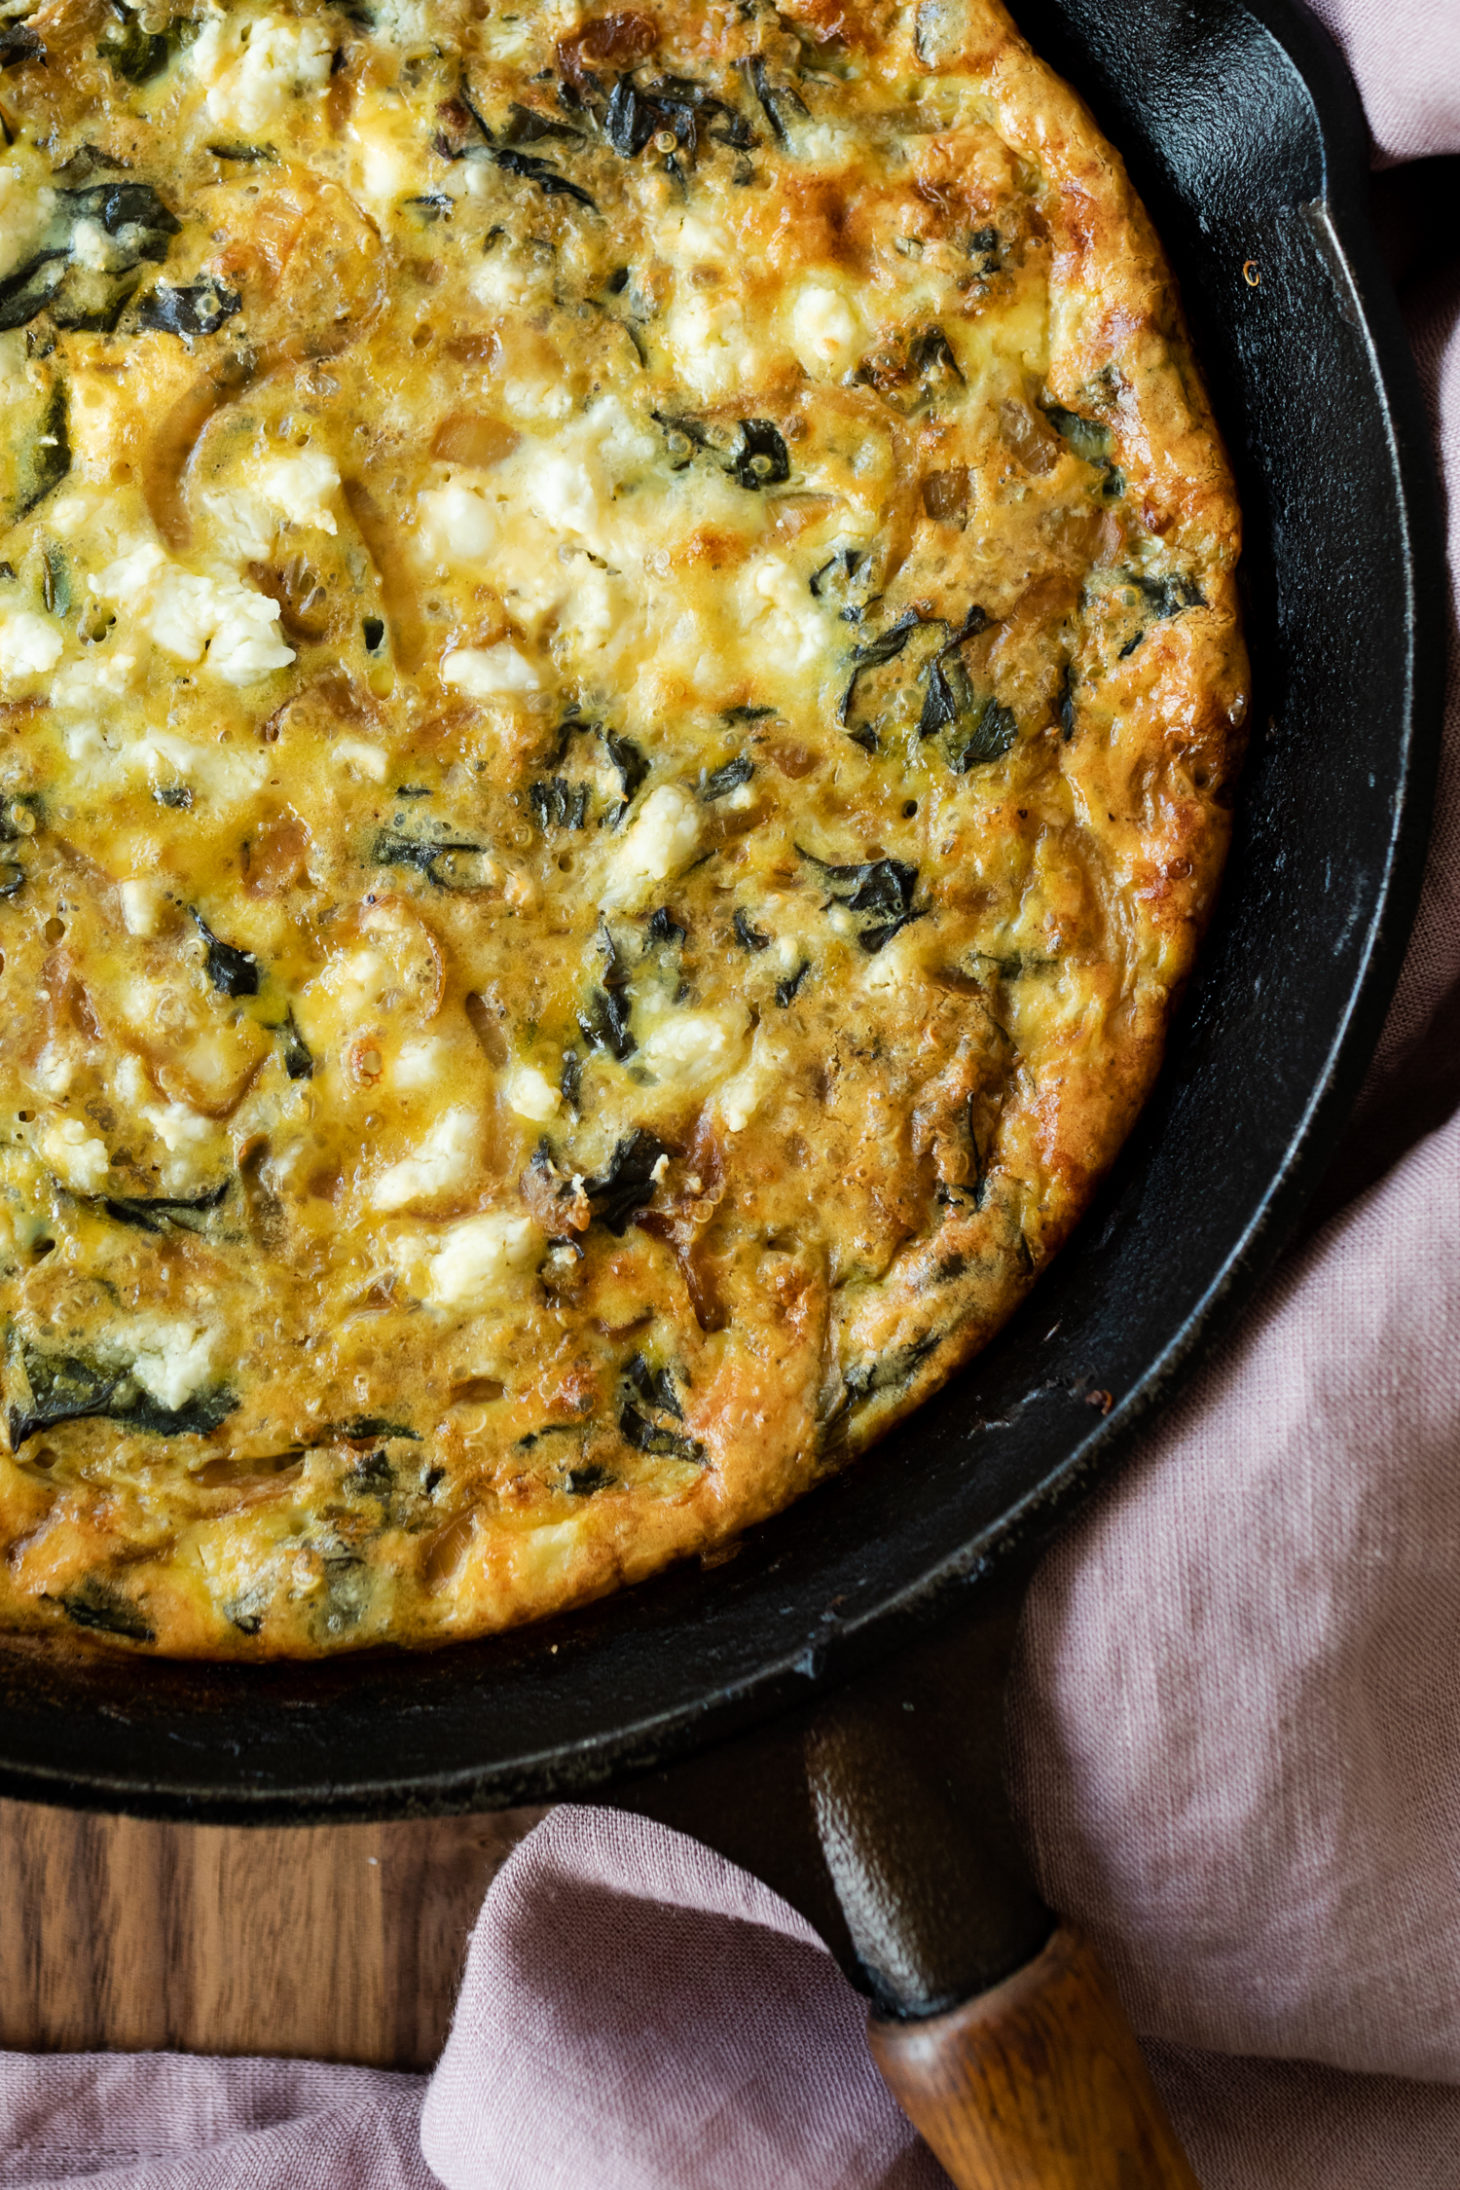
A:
[170,1357]
[826,331]
[477,1255]
[489,672]
[661,841]
[30,644]
[78,1159]
[251,87]
[531,1093]
[447,1161]
[190,616]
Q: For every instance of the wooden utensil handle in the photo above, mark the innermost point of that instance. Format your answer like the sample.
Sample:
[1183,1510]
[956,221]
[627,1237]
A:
[1037,2085]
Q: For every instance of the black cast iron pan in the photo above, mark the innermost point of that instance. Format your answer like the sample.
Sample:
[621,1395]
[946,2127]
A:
[1243,132]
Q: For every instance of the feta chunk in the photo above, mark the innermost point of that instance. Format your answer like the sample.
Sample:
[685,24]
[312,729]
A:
[299,486]
[446,1163]
[531,1093]
[359,757]
[696,1048]
[711,346]
[171,1357]
[489,672]
[458,525]
[188,615]
[826,332]
[281,58]
[78,1159]
[30,644]
[477,1256]
[143,903]
[661,842]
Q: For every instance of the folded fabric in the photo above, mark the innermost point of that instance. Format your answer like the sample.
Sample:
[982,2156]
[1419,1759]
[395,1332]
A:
[1235,1732]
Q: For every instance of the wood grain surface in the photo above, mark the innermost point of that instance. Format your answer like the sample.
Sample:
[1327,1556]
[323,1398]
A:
[345,1942]
[1037,2085]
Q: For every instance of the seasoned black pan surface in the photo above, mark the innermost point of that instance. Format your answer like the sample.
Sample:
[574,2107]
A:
[1244,135]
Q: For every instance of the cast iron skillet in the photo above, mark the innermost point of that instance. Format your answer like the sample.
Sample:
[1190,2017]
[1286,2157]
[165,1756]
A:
[1243,132]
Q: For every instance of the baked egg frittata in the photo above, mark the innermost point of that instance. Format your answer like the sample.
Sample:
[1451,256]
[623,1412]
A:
[619,683]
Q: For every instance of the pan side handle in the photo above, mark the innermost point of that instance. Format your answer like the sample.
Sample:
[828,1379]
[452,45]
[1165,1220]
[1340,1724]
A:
[1037,2084]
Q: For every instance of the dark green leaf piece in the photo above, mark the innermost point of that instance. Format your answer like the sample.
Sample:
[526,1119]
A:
[583,1482]
[604,1021]
[232,972]
[369,1425]
[70,1388]
[786,990]
[199,309]
[20,42]
[655,1387]
[97,1604]
[558,804]
[729,778]
[748,937]
[545,175]
[636,1429]
[298,1059]
[47,456]
[761,458]
[156,1212]
[664,928]
[630,763]
[624,1191]
[880,888]
[873,653]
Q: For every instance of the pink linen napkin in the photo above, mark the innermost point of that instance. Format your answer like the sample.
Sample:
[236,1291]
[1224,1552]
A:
[1236,1734]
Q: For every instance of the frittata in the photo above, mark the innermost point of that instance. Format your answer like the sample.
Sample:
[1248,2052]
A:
[619,690]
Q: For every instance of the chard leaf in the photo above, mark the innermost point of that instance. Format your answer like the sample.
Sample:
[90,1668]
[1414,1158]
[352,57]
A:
[199,309]
[624,1191]
[636,1429]
[233,972]
[721,781]
[545,175]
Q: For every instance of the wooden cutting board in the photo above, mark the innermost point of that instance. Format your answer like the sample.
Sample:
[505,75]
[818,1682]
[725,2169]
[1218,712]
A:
[345,1942]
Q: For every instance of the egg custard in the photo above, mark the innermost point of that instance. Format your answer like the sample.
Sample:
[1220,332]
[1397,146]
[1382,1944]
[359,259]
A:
[619,684]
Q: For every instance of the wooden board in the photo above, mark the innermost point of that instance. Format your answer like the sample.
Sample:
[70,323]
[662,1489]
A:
[341,1941]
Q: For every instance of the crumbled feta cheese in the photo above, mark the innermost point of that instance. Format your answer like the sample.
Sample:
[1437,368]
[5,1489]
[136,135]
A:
[420,1064]
[826,332]
[446,1162]
[93,248]
[143,901]
[79,1160]
[189,616]
[458,525]
[791,627]
[711,345]
[477,1255]
[103,674]
[282,57]
[360,757]
[564,495]
[489,672]
[30,644]
[299,486]
[53,1072]
[696,1047]
[661,842]
[170,1357]
[531,1093]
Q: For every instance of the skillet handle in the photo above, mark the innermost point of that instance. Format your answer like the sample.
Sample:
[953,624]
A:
[1036,2085]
